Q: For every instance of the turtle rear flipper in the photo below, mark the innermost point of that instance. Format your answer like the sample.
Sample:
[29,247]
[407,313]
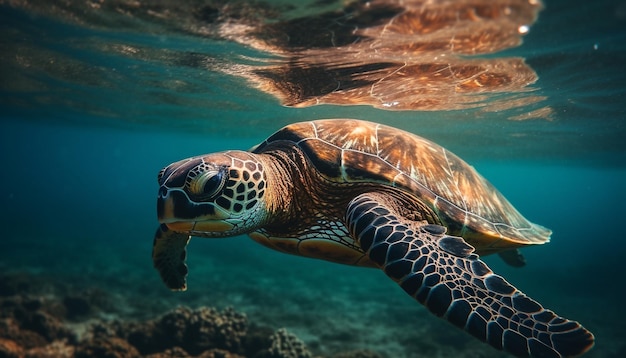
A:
[512,257]
[168,256]
[444,274]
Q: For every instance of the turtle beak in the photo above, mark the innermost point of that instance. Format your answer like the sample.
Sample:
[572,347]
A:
[165,206]
[179,213]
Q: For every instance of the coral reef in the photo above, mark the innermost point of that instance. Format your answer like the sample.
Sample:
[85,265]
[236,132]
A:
[194,331]
[52,322]
[106,347]
[29,322]
[285,345]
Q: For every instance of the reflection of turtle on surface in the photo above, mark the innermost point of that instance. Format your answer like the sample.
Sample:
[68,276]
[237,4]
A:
[365,194]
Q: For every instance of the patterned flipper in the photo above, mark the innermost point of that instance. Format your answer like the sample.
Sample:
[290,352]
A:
[444,274]
[168,256]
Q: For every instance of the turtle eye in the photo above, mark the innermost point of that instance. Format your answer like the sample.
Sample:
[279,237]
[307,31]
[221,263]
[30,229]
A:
[208,184]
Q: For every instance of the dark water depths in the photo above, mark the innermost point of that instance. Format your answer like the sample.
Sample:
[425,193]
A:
[87,124]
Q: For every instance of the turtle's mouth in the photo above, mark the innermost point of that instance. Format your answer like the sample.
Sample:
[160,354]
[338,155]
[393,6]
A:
[175,208]
[183,215]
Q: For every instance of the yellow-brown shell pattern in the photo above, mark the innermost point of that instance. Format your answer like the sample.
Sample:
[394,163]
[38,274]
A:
[354,151]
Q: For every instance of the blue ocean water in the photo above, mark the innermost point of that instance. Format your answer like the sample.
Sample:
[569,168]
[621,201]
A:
[87,124]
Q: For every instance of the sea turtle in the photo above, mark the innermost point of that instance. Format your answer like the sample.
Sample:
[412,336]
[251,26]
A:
[366,194]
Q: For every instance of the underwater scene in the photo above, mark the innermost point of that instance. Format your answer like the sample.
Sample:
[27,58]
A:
[98,96]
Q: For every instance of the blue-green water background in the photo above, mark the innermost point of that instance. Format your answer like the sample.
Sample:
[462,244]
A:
[80,158]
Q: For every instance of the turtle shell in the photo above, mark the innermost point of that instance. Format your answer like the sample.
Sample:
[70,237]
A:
[353,151]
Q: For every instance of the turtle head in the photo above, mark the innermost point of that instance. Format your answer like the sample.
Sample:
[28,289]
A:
[214,195]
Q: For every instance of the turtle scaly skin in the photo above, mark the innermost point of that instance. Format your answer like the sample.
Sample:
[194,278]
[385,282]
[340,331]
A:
[444,274]
[365,194]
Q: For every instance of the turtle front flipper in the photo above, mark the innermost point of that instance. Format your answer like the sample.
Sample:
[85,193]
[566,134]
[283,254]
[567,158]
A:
[168,256]
[444,274]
